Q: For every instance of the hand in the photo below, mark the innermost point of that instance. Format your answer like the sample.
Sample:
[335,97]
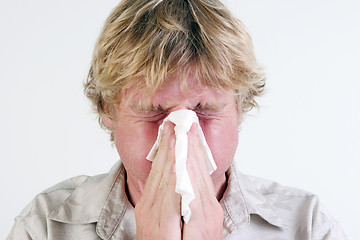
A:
[206,221]
[157,213]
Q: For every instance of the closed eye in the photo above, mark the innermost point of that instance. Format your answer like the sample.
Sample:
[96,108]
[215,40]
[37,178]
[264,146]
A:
[207,115]
[154,117]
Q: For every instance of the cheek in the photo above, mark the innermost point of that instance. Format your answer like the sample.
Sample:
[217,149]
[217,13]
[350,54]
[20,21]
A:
[222,140]
[133,144]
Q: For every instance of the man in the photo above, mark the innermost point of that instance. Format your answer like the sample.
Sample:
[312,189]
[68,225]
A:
[154,58]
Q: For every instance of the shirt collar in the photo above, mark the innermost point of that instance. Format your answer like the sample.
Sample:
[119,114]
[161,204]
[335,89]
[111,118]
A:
[243,198]
[117,216]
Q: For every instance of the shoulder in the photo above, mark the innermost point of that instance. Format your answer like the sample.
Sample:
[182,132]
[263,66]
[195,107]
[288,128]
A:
[294,209]
[271,189]
[49,199]
[32,221]
[76,201]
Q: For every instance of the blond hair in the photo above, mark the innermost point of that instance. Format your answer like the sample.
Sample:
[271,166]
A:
[143,41]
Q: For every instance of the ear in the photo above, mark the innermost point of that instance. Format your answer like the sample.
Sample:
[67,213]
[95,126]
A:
[107,120]
[107,115]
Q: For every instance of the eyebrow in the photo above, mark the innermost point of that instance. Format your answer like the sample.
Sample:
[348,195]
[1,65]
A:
[210,106]
[145,108]
[141,108]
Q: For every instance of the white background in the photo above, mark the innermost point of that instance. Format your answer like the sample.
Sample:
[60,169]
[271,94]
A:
[306,133]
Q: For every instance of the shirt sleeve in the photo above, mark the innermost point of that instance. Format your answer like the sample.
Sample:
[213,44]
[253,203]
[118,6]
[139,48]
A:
[29,224]
[325,227]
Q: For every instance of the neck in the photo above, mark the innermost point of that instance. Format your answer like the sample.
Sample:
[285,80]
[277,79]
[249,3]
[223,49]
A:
[220,185]
[133,191]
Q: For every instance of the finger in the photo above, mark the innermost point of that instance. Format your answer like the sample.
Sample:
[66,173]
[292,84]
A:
[171,202]
[166,202]
[166,186]
[197,161]
[158,165]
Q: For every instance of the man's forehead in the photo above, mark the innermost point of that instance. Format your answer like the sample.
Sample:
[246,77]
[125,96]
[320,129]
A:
[165,90]
[206,98]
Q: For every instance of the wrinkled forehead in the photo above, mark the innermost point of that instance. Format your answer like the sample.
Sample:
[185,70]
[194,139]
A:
[145,95]
[187,84]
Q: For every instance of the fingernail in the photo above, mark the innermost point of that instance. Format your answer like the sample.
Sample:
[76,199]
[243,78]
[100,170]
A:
[172,142]
[191,139]
[197,130]
[166,129]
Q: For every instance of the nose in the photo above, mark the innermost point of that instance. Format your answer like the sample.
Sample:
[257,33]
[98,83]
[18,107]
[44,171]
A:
[183,104]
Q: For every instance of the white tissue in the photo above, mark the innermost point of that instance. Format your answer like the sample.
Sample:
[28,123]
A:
[183,120]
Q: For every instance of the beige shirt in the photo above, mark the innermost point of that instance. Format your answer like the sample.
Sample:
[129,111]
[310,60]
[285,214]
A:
[97,208]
